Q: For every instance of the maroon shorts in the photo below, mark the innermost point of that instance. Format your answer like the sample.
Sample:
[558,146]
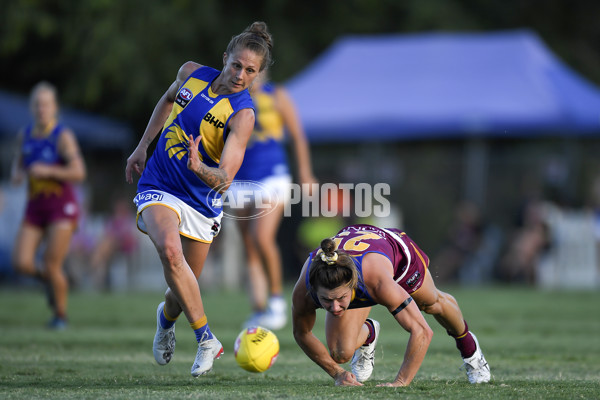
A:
[419,261]
[44,211]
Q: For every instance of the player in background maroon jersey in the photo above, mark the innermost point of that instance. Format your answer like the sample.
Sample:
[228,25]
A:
[48,156]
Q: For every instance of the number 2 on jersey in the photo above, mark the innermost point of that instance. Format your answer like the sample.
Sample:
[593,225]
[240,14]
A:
[354,244]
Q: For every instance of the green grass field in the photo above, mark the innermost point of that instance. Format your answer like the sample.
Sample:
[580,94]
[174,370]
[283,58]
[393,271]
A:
[540,345]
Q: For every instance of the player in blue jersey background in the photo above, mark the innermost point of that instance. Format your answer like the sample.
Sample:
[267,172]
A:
[205,119]
[265,163]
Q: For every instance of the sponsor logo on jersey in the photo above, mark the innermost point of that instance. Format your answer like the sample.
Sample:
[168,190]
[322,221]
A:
[205,97]
[183,97]
[146,196]
[214,121]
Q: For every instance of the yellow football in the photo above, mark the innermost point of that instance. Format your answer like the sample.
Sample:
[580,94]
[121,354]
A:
[256,349]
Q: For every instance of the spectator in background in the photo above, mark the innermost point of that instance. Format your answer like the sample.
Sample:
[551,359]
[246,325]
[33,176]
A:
[529,240]
[48,156]
[463,240]
[265,162]
[119,237]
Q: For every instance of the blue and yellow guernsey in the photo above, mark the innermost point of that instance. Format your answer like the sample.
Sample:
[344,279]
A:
[265,155]
[197,111]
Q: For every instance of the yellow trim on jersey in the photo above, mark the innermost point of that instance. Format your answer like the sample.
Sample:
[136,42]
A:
[211,93]
[195,86]
[177,142]
[212,136]
[44,187]
[268,118]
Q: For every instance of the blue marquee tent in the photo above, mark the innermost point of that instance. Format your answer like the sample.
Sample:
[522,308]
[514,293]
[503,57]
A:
[442,85]
[92,131]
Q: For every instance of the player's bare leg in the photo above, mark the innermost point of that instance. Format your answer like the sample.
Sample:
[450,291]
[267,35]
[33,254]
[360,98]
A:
[163,228]
[195,254]
[58,240]
[442,306]
[162,225]
[209,347]
[446,311]
[266,238]
[353,337]
[28,240]
[346,333]
[258,282]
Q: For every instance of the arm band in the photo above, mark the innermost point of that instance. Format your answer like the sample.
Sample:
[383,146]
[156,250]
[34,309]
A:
[402,306]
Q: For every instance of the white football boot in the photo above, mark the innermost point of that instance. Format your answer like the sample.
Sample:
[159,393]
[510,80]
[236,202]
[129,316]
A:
[164,340]
[363,360]
[208,351]
[275,317]
[478,370]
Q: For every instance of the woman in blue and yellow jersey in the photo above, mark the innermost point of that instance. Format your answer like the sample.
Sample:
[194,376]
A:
[265,171]
[205,119]
[49,157]
[358,268]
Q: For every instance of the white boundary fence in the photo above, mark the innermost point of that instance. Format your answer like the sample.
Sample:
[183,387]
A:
[572,261]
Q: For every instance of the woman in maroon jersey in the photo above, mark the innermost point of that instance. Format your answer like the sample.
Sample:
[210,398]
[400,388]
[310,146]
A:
[48,156]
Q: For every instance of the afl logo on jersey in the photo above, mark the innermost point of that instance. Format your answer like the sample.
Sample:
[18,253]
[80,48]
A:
[186,94]
[183,97]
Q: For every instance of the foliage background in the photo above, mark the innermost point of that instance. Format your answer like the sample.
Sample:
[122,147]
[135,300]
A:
[118,57]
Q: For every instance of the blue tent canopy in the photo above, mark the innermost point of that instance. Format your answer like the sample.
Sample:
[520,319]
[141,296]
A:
[442,85]
[92,131]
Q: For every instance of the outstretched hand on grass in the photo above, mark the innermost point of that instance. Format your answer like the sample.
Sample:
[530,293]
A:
[346,378]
